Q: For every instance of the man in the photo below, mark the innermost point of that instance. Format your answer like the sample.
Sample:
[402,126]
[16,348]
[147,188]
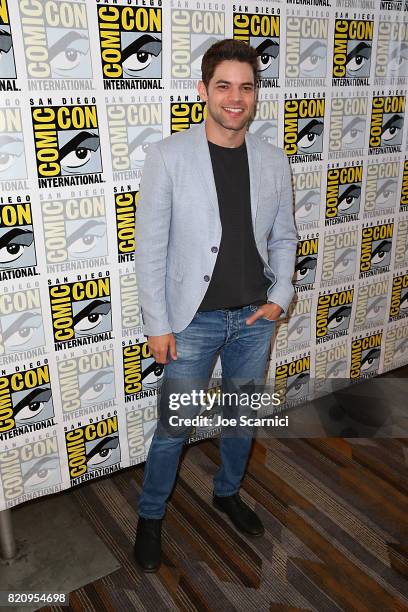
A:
[215,256]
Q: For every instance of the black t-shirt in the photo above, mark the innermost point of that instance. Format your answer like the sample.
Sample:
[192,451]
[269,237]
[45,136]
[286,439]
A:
[238,278]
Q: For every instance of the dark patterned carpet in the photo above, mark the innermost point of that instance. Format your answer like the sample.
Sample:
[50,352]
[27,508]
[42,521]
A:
[336,518]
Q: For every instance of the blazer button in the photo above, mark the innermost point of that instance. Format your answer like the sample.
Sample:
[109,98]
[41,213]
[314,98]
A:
[206,278]
[214,249]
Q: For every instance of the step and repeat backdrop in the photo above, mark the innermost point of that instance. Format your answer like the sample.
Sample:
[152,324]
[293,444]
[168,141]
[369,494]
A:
[85,87]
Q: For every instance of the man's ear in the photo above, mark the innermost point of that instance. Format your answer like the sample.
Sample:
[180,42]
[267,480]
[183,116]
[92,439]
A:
[202,91]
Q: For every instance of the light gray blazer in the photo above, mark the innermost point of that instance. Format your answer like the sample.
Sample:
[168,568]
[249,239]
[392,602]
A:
[178,224]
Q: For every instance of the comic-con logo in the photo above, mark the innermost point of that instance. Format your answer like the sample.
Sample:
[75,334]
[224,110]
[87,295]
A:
[192,33]
[365,356]
[265,122]
[387,122]
[67,145]
[307,187]
[26,399]
[371,303]
[21,323]
[261,32]
[376,245]
[7,60]
[381,188]
[348,119]
[303,129]
[339,256]
[306,50]
[81,311]
[93,449]
[17,245]
[125,213]
[343,194]
[353,39]
[30,470]
[306,262]
[185,114]
[132,128]
[333,314]
[12,150]
[141,372]
[292,381]
[56,41]
[404,188]
[392,52]
[131,46]
[74,230]
[85,381]
[399,297]
[294,332]
[131,317]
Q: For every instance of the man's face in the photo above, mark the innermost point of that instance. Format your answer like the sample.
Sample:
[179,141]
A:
[230,95]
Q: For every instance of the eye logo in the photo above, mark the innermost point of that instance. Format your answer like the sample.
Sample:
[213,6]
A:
[79,153]
[41,473]
[33,406]
[131,42]
[305,270]
[97,387]
[298,330]
[7,61]
[266,131]
[17,246]
[102,453]
[21,332]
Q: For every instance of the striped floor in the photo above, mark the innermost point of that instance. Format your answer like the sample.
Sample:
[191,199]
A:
[336,519]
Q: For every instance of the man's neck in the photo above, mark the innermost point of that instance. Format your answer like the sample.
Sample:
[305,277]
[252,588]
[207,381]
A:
[227,138]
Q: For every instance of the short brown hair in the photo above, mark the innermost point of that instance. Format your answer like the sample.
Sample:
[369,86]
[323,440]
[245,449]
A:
[228,49]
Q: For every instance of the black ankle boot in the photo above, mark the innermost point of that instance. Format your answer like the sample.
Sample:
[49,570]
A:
[240,514]
[147,548]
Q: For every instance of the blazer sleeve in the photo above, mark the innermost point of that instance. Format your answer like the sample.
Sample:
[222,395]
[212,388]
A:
[282,244]
[153,216]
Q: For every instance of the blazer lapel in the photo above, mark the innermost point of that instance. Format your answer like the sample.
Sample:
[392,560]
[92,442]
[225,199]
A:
[204,165]
[254,163]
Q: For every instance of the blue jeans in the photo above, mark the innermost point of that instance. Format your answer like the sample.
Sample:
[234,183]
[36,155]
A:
[244,351]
